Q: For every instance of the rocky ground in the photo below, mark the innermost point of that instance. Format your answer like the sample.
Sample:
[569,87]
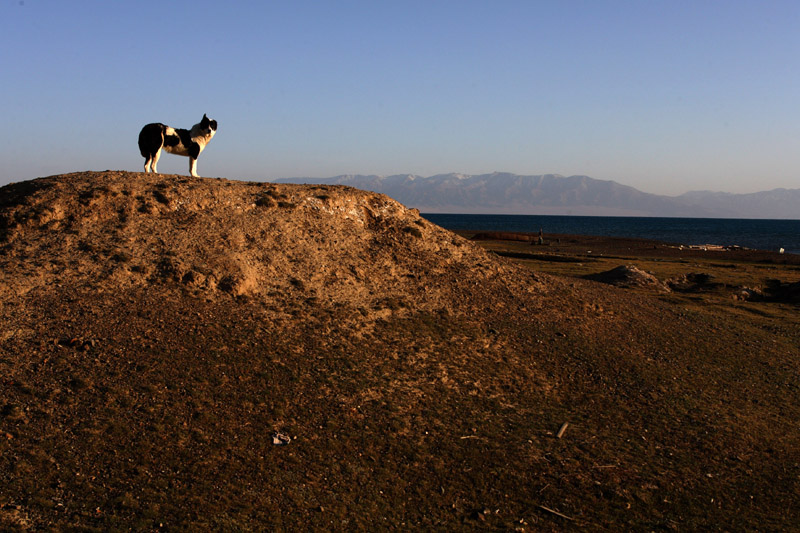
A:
[197,354]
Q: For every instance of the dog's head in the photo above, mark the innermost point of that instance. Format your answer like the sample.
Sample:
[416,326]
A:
[207,126]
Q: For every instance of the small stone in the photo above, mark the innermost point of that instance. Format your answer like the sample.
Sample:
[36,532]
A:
[280,439]
[481,514]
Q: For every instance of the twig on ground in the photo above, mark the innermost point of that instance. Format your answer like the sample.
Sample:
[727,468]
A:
[557,513]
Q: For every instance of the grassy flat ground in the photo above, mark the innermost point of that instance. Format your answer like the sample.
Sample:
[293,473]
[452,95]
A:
[582,255]
[729,274]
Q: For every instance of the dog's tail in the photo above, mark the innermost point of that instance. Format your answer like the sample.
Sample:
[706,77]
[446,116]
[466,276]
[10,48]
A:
[151,139]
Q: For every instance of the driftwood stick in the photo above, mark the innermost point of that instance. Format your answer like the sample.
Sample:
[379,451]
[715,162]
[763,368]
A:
[556,513]
[562,430]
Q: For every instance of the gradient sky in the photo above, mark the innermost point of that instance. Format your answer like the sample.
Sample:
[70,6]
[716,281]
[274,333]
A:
[666,96]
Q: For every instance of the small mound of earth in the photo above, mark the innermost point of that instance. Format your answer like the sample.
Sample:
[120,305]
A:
[779,291]
[628,276]
[694,282]
[115,230]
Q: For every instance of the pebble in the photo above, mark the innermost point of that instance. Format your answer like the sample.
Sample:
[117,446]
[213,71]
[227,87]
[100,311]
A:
[280,439]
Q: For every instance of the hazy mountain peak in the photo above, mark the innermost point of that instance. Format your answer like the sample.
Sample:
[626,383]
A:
[555,194]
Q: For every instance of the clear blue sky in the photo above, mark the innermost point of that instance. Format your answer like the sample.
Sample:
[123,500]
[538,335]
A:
[666,96]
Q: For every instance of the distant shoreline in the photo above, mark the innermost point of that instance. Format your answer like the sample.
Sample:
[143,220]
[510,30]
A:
[628,247]
[762,234]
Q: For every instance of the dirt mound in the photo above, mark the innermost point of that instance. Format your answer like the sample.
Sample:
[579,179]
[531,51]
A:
[780,291]
[628,276]
[694,282]
[208,355]
[114,230]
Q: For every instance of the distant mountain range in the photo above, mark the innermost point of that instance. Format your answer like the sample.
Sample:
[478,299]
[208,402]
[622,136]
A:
[552,194]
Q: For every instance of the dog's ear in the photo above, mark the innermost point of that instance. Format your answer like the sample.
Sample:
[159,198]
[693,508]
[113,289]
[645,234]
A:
[204,122]
[213,124]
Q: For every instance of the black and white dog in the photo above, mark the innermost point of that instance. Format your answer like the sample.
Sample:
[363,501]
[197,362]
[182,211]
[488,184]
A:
[156,136]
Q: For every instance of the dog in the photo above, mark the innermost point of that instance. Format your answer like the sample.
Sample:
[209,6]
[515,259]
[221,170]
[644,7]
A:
[190,143]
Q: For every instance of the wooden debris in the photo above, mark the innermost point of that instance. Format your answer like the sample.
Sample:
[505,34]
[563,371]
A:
[556,513]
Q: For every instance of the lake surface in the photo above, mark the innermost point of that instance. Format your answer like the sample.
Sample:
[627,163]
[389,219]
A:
[757,234]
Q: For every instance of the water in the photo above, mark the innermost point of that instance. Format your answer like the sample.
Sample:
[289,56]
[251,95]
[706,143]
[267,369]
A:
[756,234]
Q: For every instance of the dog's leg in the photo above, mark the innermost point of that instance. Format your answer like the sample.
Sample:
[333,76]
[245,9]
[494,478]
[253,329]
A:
[193,167]
[147,164]
[155,161]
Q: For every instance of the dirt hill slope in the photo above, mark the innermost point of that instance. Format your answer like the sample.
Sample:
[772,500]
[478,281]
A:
[115,230]
[162,336]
